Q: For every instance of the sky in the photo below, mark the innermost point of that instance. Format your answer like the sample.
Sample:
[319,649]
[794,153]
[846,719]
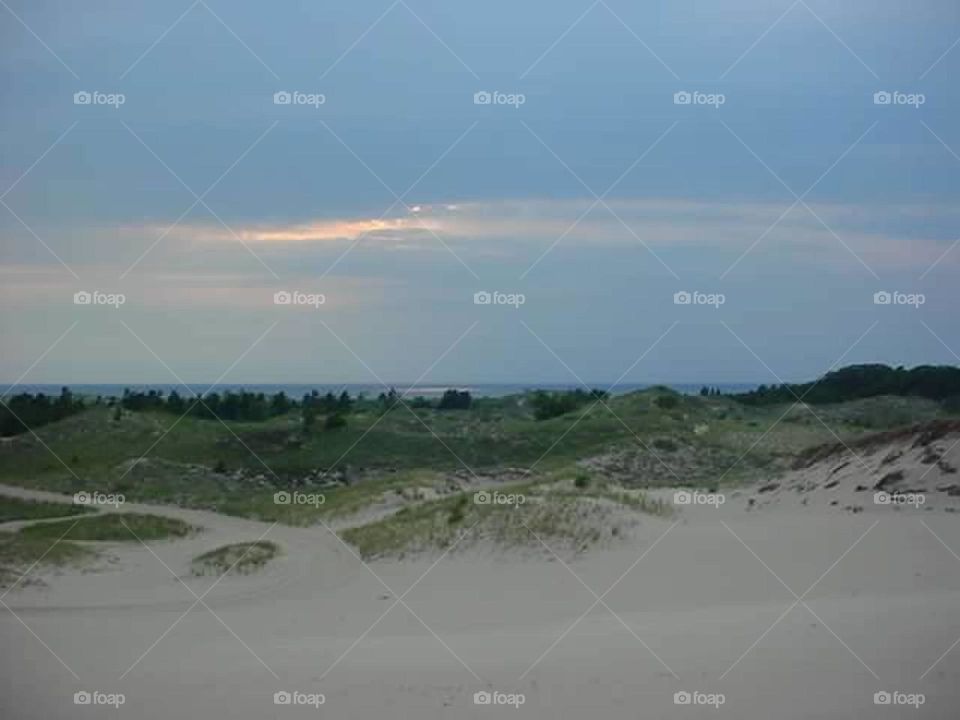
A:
[580,200]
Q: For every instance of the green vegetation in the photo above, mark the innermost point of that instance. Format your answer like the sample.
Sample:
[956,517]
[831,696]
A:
[349,455]
[586,486]
[12,508]
[548,405]
[562,519]
[20,412]
[236,559]
[19,552]
[242,406]
[454,400]
[458,512]
[855,382]
[667,401]
[335,421]
[123,527]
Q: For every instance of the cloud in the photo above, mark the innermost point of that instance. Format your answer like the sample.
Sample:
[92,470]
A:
[312,231]
[907,237]
[885,236]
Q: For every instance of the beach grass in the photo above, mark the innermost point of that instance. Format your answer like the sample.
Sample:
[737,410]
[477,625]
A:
[236,559]
[14,508]
[110,527]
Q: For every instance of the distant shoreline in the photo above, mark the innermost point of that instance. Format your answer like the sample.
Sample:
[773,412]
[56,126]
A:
[371,389]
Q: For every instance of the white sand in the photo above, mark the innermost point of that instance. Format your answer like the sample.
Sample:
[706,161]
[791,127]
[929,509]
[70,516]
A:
[698,600]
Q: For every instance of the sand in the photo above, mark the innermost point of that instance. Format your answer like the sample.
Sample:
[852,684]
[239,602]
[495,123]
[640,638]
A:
[703,602]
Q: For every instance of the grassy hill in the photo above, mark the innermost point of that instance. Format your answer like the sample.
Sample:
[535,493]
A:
[649,438]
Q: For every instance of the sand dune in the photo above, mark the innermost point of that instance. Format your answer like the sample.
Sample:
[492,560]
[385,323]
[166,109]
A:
[705,603]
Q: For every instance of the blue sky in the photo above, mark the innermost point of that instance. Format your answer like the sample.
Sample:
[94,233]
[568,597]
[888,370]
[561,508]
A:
[497,197]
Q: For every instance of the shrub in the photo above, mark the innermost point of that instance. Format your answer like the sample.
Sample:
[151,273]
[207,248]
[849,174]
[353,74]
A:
[237,559]
[665,444]
[455,400]
[548,405]
[335,421]
[582,480]
[666,402]
[459,511]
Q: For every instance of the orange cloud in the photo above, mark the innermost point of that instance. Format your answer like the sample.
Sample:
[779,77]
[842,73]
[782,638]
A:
[326,230]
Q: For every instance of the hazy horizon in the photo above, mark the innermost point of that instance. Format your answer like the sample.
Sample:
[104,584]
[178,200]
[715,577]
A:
[441,383]
[295,390]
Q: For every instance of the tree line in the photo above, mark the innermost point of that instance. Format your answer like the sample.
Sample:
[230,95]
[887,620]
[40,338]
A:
[19,413]
[934,382]
[236,405]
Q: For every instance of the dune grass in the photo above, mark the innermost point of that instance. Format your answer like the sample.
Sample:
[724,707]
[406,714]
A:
[19,552]
[14,508]
[557,511]
[110,527]
[236,559]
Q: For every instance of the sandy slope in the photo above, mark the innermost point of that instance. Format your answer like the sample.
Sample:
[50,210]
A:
[678,620]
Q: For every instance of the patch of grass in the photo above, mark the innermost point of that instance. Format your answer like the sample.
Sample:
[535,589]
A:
[112,527]
[19,552]
[639,501]
[14,508]
[338,501]
[604,489]
[564,518]
[236,559]
[415,527]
